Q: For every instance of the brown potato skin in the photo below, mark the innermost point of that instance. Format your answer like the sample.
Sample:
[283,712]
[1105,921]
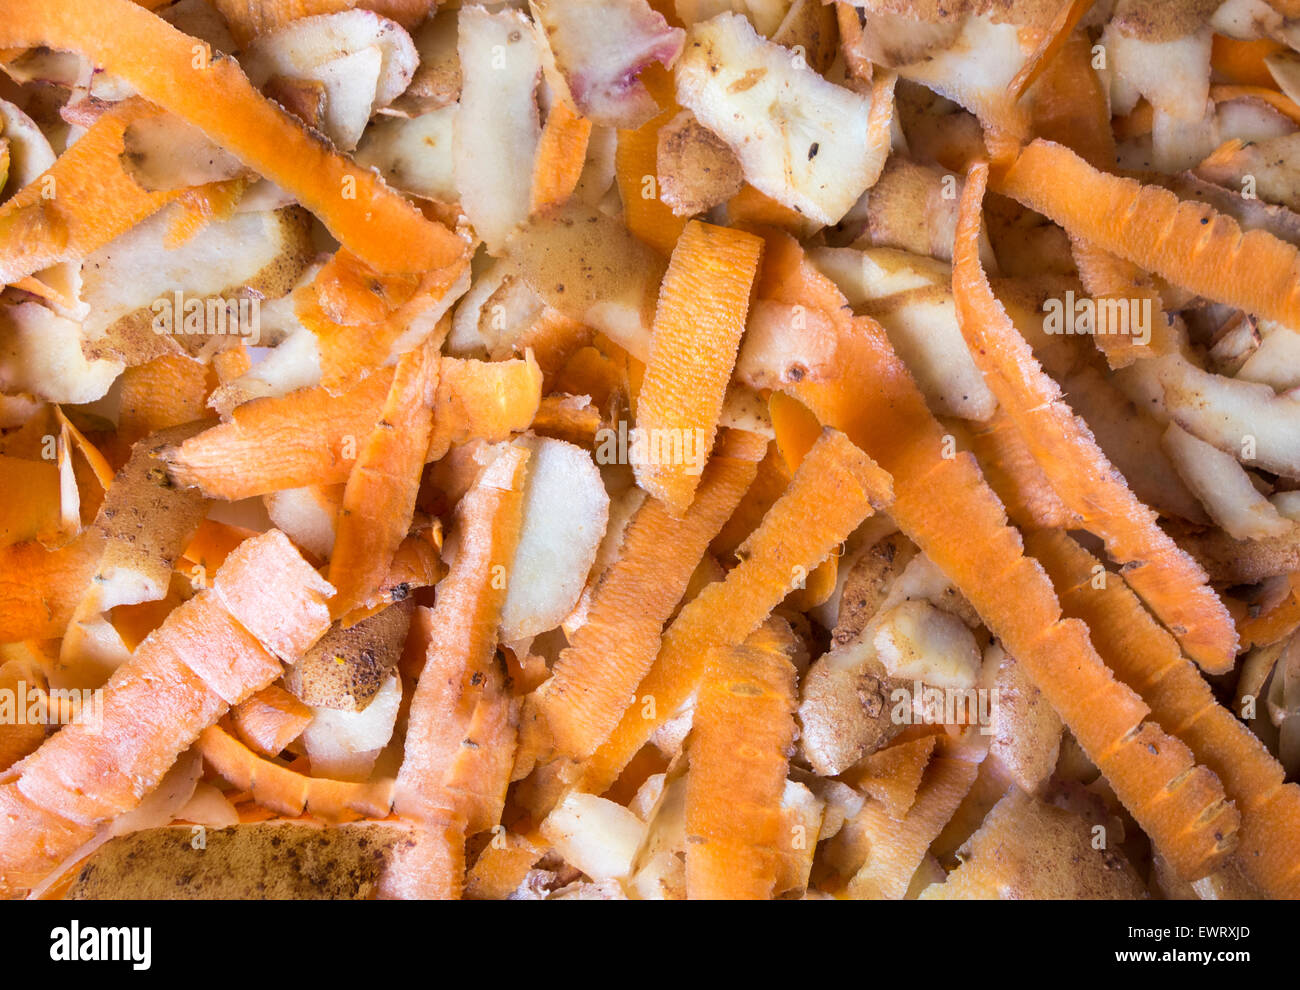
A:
[437,80]
[1230,561]
[844,715]
[812,26]
[844,712]
[304,98]
[1035,13]
[907,209]
[1028,850]
[347,667]
[262,861]
[1027,730]
[1162,20]
[696,168]
[132,339]
[145,520]
[868,583]
[576,258]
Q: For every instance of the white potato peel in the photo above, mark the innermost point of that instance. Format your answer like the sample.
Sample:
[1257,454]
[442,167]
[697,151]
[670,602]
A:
[566,509]
[363,60]
[799,138]
[497,123]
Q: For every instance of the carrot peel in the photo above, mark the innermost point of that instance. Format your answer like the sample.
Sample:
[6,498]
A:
[379,499]
[180,74]
[1170,581]
[594,677]
[946,508]
[742,730]
[1197,248]
[453,778]
[696,334]
[1147,658]
[185,674]
[835,488]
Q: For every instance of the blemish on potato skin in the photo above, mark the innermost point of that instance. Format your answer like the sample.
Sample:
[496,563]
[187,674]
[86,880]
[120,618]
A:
[748,81]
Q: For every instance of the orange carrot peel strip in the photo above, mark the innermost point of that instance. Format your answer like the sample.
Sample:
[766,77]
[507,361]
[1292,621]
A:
[769,484]
[40,589]
[502,866]
[1242,62]
[180,74]
[893,775]
[796,431]
[1276,624]
[636,158]
[200,206]
[311,437]
[1169,580]
[1107,277]
[1186,243]
[1137,123]
[561,155]
[835,488]
[1012,472]
[415,565]
[611,652]
[483,400]
[1058,33]
[1147,658]
[288,792]
[697,328]
[741,733]
[167,391]
[97,462]
[32,512]
[80,203]
[20,737]
[212,544]
[211,653]
[945,507]
[379,499]
[461,734]
[356,329]
[270,720]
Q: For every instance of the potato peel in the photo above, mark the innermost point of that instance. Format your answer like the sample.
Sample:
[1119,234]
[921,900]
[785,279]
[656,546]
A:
[1147,658]
[1191,823]
[212,93]
[773,560]
[609,654]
